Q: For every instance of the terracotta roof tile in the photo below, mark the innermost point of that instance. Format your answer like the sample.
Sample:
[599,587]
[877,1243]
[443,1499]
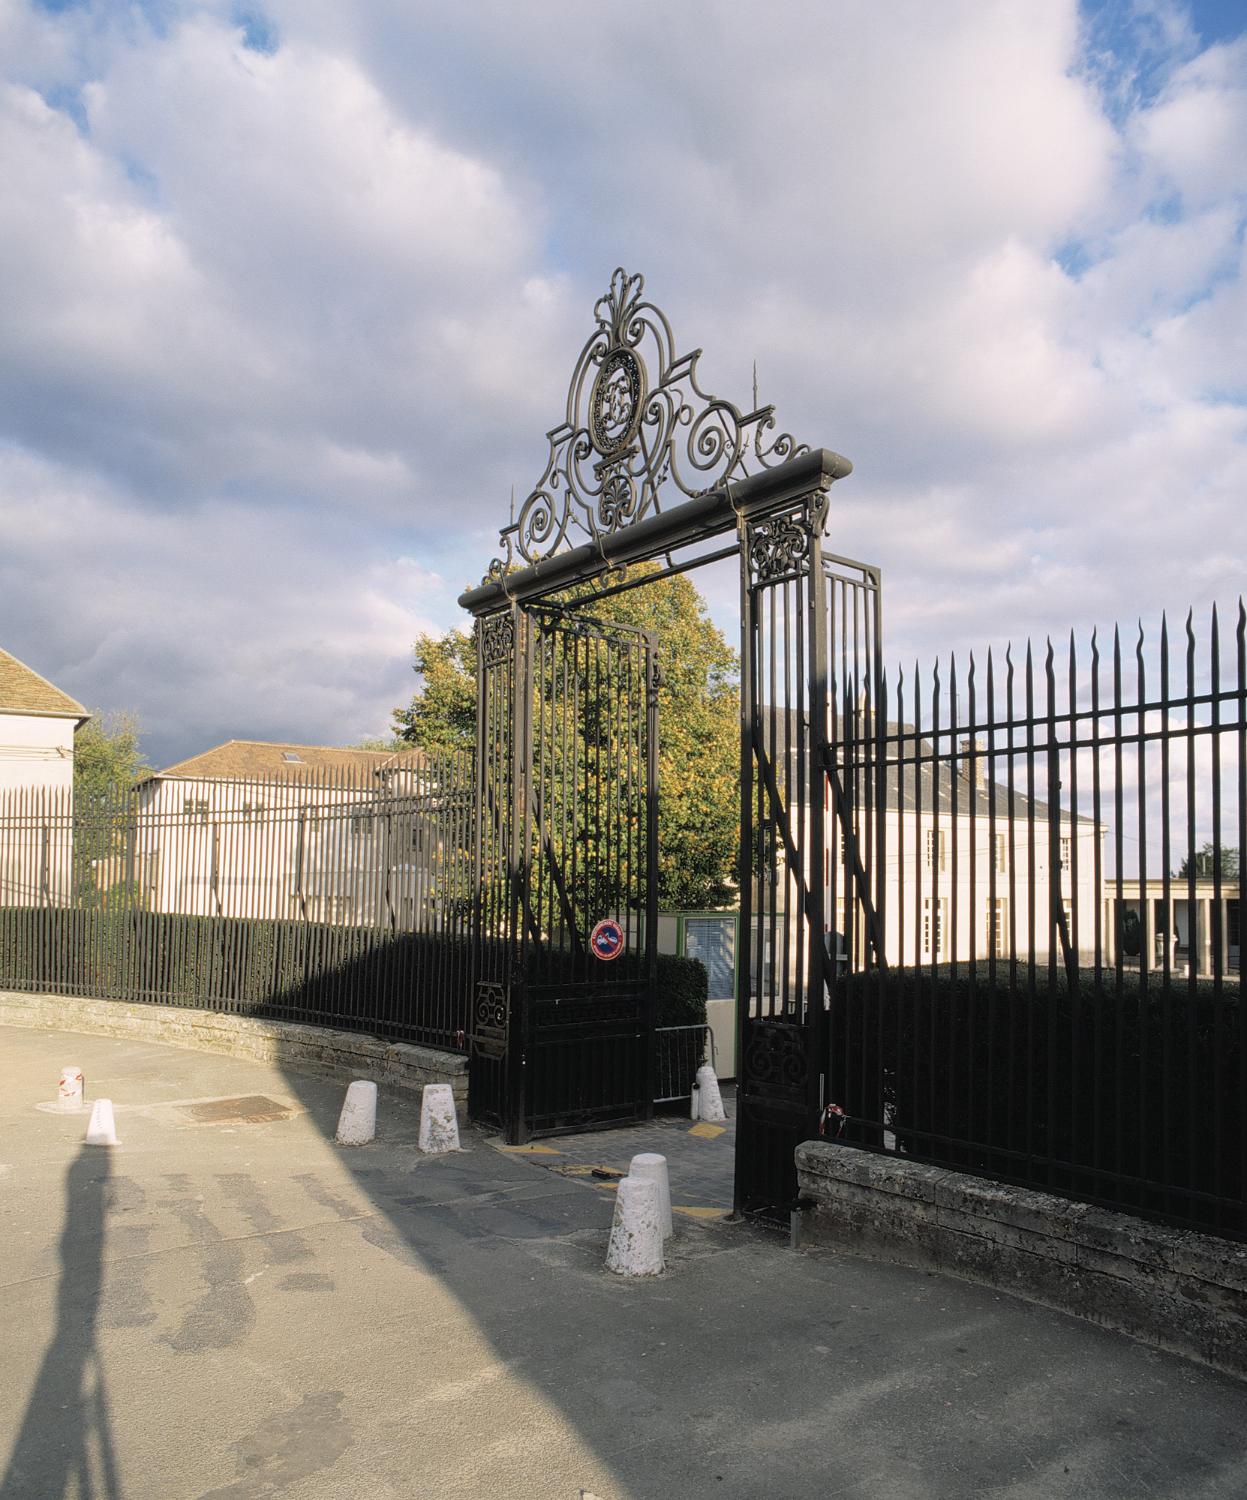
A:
[23,691]
[256,760]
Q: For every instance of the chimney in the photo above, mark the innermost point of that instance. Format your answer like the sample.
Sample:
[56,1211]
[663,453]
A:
[976,767]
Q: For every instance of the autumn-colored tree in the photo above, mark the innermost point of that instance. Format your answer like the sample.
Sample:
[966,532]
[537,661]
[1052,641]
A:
[442,714]
[698,729]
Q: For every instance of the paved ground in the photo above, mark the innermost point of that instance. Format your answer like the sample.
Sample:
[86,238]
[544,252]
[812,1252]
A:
[239,1310]
[699,1158]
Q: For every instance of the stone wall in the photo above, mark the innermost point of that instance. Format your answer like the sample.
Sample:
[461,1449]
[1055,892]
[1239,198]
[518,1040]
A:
[341,1055]
[1173,1288]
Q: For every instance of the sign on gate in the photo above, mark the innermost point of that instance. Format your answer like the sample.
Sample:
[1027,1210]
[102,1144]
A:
[606,941]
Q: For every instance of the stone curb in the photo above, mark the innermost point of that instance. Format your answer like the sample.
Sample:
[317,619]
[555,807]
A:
[340,1055]
[1173,1288]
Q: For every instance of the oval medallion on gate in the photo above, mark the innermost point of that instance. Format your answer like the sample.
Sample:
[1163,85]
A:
[607,939]
[616,402]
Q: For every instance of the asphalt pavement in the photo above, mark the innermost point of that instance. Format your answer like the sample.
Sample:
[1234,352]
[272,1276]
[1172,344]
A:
[229,1305]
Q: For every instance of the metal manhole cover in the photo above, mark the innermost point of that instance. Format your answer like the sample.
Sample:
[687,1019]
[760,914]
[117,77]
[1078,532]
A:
[251,1109]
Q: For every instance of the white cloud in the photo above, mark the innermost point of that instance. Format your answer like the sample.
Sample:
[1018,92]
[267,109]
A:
[274,317]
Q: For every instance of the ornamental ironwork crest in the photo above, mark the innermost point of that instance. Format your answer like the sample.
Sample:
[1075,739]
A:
[637,424]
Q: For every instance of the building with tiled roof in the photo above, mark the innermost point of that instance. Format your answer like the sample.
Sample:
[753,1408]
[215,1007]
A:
[261,760]
[37,723]
[253,829]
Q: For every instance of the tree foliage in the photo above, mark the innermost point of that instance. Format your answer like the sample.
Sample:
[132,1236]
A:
[698,729]
[108,759]
[442,714]
[1205,863]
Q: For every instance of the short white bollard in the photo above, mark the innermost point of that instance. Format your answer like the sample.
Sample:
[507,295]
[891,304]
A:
[635,1247]
[102,1127]
[439,1128]
[69,1088]
[709,1100]
[357,1124]
[651,1167]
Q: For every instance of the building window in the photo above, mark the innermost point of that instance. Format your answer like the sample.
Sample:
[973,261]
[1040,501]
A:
[361,825]
[934,921]
[252,812]
[713,940]
[997,922]
[1065,854]
[935,847]
[197,808]
[1002,853]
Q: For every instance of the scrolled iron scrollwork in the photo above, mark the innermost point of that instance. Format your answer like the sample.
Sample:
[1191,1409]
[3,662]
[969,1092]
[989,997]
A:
[779,543]
[489,1020]
[497,641]
[777,1059]
[637,422]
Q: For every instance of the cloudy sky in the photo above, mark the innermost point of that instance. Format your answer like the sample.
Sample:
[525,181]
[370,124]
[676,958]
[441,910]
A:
[290,293]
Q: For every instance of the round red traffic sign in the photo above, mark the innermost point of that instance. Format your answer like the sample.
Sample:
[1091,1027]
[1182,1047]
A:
[607,939]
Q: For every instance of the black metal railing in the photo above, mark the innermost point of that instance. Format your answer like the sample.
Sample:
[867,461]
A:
[327,899]
[1053,993]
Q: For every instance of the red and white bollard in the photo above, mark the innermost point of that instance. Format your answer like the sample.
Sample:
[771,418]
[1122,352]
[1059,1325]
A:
[69,1088]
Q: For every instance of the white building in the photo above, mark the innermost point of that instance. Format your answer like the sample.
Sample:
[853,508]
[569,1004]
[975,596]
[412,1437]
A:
[37,724]
[251,829]
[956,868]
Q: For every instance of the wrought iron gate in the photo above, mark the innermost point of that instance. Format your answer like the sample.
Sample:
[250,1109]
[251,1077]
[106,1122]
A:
[566,749]
[563,1033]
[812,831]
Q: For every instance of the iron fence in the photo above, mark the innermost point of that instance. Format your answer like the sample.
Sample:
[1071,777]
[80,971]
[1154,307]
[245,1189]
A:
[326,898]
[1046,987]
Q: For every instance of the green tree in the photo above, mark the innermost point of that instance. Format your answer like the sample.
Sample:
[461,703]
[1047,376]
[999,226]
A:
[108,759]
[442,714]
[698,729]
[1205,862]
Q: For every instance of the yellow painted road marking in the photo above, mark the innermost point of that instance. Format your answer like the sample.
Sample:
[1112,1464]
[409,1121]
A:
[531,1150]
[702,1213]
[705,1132]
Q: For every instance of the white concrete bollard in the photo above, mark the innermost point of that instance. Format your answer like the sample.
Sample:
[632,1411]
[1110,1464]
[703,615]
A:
[69,1088]
[635,1247]
[439,1127]
[651,1167]
[102,1127]
[357,1124]
[709,1099]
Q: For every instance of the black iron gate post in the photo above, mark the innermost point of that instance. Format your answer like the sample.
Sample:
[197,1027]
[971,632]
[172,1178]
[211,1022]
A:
[653,679]
[784,958]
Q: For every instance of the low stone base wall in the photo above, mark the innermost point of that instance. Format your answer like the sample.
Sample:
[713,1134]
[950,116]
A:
[341,1055]
[1172,1288]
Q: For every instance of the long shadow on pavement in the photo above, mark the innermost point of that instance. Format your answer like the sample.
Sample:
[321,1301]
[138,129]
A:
[749,1370]
[78,1460]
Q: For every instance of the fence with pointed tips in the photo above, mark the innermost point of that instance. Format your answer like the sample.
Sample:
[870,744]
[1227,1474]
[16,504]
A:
[1056,996]
[324,898]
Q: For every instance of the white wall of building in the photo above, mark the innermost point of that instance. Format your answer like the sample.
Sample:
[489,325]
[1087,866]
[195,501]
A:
[36,798]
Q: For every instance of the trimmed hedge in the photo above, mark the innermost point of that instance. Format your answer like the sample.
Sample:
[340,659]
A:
[1130,1096]
[406,985]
